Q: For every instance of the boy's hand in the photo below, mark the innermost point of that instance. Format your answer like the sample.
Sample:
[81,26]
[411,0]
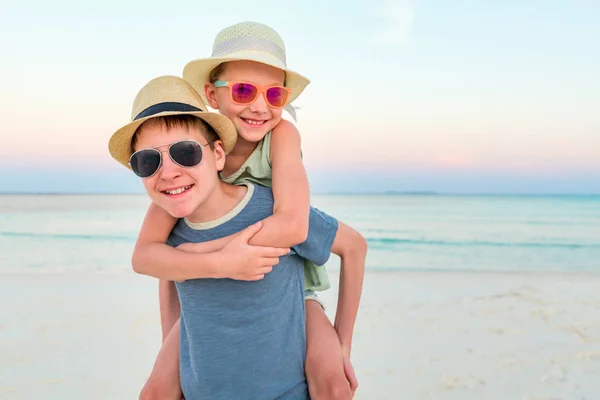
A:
[350,375]
[246,262]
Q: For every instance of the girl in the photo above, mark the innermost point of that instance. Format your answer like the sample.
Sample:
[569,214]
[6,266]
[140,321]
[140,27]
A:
[248,81]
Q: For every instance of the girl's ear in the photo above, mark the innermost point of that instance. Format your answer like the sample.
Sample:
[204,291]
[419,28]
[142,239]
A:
[211,95]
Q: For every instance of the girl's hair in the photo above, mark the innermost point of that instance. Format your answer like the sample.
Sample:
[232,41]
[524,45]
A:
[189,121]
[216,73]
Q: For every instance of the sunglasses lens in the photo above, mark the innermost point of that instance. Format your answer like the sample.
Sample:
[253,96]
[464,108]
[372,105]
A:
[243,92]
[186,153]
[277,96]
[144,163]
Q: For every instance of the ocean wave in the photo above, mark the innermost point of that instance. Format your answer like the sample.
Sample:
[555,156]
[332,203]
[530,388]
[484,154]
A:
[375,243]
[390,242]
[66,236]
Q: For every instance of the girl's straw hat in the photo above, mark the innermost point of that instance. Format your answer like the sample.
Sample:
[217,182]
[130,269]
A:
[250,41]
[162,96]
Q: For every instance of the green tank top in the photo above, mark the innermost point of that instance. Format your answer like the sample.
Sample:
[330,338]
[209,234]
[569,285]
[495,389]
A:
[257,169]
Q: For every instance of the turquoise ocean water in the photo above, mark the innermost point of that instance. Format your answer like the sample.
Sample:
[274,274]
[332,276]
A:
[60,233]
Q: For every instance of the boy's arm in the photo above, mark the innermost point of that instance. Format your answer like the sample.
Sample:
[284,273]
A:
[326,235]
[288,225]
[351,247]
[170,310]
[154,233]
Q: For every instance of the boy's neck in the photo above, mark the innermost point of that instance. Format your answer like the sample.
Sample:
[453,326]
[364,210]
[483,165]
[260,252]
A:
[222,200]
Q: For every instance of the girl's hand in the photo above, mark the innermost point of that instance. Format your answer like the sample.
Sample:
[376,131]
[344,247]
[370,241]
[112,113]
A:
[245,262]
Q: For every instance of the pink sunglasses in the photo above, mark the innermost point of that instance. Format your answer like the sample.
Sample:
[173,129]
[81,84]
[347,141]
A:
[245,93]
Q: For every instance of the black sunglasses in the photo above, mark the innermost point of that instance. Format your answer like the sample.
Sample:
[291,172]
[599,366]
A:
[185,153]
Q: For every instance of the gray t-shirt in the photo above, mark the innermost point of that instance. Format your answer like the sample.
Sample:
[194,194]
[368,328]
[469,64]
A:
[247,340]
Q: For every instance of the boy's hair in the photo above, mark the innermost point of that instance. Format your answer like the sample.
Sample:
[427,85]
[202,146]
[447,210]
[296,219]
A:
[188,121]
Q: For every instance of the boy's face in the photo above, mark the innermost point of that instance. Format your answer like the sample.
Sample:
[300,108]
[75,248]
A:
[198,182]
[252,121]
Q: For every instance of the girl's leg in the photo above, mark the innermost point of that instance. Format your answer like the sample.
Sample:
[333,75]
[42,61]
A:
[163,383]
[324,362]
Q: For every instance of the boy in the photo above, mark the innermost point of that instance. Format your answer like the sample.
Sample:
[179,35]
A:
[242,321]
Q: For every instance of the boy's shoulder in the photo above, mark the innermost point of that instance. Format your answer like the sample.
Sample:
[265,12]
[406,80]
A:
[256,205]
[261,193]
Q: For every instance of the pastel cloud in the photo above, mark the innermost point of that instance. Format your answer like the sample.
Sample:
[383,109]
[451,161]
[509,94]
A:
[399,16]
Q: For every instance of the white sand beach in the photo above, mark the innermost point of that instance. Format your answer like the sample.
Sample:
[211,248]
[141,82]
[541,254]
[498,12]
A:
[420,335]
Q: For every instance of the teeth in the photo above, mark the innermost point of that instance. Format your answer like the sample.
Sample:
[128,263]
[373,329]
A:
[177,191]
[253,122]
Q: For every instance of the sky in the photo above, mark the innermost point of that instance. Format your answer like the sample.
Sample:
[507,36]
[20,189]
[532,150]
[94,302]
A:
[406,95]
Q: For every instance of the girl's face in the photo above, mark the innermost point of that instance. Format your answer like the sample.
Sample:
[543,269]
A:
[253,120]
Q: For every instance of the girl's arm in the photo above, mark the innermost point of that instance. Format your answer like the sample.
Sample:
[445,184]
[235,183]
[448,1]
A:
[229,257]
[288,226]
[152,256]
[351,247]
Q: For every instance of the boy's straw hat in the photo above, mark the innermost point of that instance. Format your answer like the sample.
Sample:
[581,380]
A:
[162,96]
[250,41]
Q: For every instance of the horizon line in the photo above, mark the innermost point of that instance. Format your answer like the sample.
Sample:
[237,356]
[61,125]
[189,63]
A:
[381,193]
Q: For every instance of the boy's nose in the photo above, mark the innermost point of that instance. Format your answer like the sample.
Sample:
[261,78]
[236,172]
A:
[169,169]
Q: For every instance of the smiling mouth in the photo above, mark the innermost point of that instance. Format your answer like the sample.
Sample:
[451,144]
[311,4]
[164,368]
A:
[254,122]
[175,192]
